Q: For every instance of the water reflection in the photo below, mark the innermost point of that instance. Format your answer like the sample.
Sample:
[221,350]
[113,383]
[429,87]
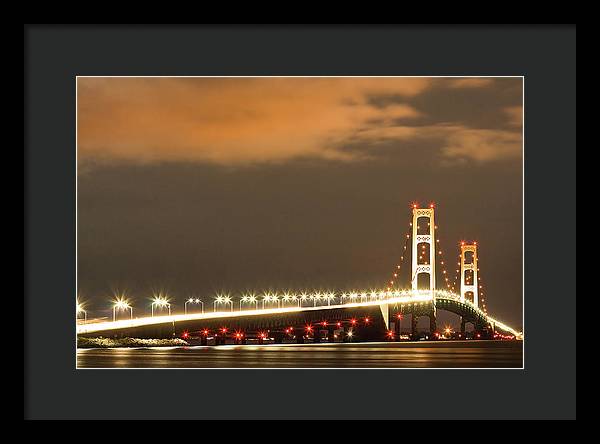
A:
[455,354]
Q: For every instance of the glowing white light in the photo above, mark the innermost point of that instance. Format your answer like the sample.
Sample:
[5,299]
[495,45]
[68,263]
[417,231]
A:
[121,304]
[357,299]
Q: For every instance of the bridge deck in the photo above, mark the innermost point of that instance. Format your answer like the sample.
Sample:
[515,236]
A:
[246,317]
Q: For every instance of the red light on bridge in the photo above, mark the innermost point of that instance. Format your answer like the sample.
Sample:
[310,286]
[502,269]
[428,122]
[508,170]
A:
[390,333]
[224,330]
[324,323]
[185,335]
[399,316]
[415,204]
[308,328]
[367,320]
[339,324]
[205,332]
[353,321]
[431,205]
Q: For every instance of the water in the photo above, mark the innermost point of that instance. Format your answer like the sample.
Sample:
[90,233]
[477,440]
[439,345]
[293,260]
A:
[423,354]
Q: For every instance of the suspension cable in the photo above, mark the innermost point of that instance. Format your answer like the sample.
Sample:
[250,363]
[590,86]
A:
[396,273]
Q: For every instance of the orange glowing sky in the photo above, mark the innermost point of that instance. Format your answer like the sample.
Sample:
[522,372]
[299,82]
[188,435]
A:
[237,121]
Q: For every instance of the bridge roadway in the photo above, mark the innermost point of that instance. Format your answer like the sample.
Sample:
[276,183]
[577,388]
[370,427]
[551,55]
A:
[254,320]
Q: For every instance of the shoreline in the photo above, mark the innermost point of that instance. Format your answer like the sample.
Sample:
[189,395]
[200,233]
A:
[108,343]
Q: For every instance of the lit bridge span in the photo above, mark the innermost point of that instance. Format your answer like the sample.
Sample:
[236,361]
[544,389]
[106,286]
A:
[367,316]
[373,312]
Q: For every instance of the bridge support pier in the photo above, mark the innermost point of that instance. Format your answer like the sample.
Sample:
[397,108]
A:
[330,335]
[397,330]
[463,324]
[413,326]
[432,324]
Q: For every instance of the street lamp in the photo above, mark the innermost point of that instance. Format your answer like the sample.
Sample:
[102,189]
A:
[193,301]
[121,304]
[222,300]
[303,298]
[227,301]
[330,297]
[249,299]
[79,310]
[270,298]
[160,301]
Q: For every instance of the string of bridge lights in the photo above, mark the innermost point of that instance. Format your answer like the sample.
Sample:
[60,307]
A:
[457,276]
[442,261]
[121,301]
[480,285]
[397,269]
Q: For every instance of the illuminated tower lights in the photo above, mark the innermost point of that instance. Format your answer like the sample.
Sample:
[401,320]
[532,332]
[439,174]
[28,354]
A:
[471,286]
[426,239]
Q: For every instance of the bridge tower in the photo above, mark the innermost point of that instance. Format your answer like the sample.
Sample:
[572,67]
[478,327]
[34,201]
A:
[465,266]
[420,263]
[423,258]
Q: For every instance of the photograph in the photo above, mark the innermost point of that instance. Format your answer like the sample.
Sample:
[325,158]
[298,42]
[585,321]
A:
[299,222]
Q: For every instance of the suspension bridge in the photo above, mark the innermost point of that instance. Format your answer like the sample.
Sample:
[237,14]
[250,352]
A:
[334,316]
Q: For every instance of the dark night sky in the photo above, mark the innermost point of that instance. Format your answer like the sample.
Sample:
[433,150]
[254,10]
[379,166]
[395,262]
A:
[200,185]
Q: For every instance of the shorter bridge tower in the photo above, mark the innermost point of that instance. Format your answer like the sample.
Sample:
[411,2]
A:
[472,266]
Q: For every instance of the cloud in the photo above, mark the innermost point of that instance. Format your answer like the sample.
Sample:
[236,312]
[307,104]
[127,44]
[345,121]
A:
[231,120]
[481,145]
[243,121]
[515,115]
[471,82]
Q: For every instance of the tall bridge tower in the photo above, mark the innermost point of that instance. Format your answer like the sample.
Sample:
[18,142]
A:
[423,246]
[423,261]
[469,266]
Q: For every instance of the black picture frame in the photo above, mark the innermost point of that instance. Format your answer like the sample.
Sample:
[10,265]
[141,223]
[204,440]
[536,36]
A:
[54,55]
